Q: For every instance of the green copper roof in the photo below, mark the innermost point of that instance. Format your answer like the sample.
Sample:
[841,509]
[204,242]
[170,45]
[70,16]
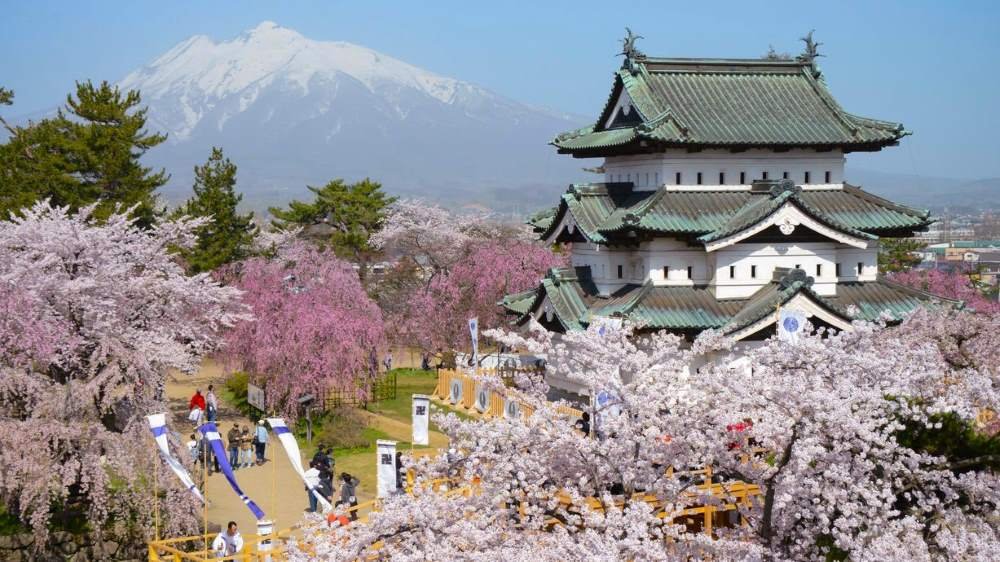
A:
[603,211]
[575,302]
[725,103]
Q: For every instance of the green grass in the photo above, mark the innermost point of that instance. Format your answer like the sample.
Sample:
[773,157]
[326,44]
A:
[408,383]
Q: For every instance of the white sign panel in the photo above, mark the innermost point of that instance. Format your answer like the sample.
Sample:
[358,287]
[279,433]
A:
[482,398]
[255,397]
[511,409]
[421,419]
[385,457]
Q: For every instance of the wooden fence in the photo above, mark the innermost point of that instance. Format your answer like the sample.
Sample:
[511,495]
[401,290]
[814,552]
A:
[496,403]
[377,390]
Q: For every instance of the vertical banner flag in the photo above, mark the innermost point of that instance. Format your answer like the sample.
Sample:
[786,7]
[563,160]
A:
[158,423]
[212,434]
[421,419]
[482,398]
[295,457]
[474,332]
[385,456]
[791,323]
[607,405]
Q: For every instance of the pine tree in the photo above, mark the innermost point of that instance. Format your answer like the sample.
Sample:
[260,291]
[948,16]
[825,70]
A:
[88,153]
[343,216]
[229,235]
[897,254]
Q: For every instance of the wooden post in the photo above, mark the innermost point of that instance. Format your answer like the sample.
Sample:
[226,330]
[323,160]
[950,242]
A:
[204,494]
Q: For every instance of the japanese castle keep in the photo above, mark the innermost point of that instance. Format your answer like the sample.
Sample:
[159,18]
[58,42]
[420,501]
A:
[723,196]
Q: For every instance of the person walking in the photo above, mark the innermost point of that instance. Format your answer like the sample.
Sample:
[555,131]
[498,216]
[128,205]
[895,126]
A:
[246,447]
[387,361]
[196,406]
[212,404]
[349,493]
[233,437]
[228,542]
[312,482]
[261,439]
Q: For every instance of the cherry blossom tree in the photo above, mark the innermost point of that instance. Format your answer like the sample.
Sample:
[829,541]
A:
[434,317]
[832,429]
[452,266]
[950,284]
[91,317]
[314,327]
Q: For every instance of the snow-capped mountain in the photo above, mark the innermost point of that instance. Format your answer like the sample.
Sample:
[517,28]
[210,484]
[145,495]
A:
[291,111]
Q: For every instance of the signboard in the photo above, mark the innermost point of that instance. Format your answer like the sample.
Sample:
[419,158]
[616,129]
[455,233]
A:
[385,457]
[255,397]
[511,409]
[421,418]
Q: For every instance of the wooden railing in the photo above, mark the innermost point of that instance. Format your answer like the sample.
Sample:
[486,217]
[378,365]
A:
[197,548]
[495,401]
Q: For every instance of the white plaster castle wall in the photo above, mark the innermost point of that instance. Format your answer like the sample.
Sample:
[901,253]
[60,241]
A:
[648,260]
[649,171]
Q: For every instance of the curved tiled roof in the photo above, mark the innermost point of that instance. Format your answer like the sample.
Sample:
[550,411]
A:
[602,211]
[726,103]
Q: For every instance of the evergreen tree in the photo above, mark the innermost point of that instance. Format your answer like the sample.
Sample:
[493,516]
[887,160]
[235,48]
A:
[343,216]
[897,254]
[88,153]
[229,235]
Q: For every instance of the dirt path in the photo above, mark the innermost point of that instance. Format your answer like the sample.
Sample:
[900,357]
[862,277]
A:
[274,486]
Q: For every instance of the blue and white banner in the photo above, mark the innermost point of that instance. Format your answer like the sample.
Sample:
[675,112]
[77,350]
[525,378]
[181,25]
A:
[474,332]
[158,423]
[791,323]
[212,434]
[295,457]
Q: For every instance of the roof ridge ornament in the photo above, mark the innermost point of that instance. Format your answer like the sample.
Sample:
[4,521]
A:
[811,53]
[631,52]
[792,276]
[780,187]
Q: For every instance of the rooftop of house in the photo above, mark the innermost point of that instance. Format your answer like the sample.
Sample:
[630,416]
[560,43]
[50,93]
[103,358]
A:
[724,103]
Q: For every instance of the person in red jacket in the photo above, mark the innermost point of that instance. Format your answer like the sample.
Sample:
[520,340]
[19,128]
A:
[197,401]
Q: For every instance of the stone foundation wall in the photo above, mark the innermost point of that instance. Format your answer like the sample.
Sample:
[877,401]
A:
[66,547]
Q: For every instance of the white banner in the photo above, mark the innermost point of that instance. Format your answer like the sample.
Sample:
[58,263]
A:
[291,447]
[455,391]
[791,323]
[158,424]
[385,456]
[421,419]
[474,332]
[511,408]
[482,398]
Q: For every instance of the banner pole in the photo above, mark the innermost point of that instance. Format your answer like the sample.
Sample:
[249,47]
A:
[204,492]
[156,494]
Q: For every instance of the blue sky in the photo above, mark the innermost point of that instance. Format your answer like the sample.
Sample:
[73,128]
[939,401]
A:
[933,66]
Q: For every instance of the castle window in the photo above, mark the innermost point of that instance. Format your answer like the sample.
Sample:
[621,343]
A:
[836,269]
[807,178]
[656,178]
[629,177]
[647,179]
[743,178]
[765,174]
[732,271]
[826,177]
[621,272]
[722,178]
[753,271]
[861,268]
[677,178]
[699,178]
[784,175]
[819,270]
[798,266]
[690,269]
[666,272]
